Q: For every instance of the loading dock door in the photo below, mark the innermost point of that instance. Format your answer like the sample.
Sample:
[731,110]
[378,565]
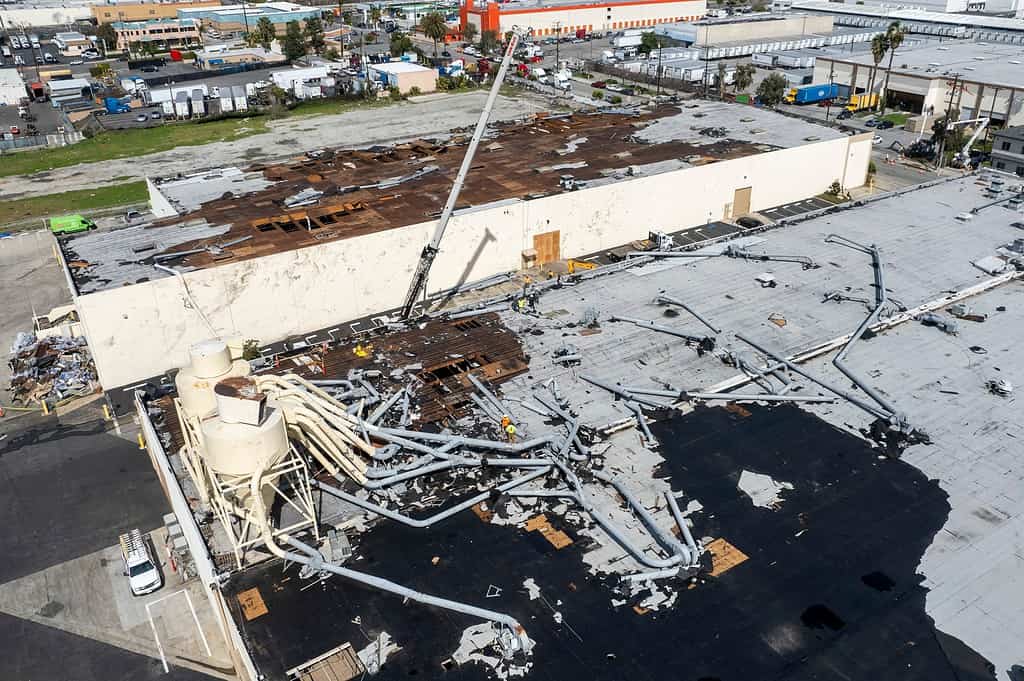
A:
[741,202]
[547,246]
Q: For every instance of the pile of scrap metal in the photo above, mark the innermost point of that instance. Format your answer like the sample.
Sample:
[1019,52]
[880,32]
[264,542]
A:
[50,369]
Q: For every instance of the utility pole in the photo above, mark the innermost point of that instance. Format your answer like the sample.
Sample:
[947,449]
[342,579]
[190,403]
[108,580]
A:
[831,82]
[558,40]
[659,64]
[945,131]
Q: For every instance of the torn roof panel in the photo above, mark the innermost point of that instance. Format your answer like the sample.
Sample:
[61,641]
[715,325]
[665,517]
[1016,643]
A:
[361,191]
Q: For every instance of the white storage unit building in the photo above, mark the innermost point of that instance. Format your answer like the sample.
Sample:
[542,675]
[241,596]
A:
[240,102]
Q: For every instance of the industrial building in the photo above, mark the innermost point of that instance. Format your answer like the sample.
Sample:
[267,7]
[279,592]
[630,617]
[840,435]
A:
[1008,150]
[218,56]
[162,33]
[566,17]
[747,35]
[595,182]
[109,12]
[978,80]
[922,19]
[243,16]
[799,438]
[72,43]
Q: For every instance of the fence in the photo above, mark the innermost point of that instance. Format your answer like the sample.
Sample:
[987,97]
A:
[40,141]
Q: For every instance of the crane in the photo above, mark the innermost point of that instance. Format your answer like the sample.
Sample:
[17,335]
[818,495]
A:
[419,278]
[963,157]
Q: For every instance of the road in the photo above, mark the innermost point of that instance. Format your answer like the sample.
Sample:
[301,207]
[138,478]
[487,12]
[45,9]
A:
[432,115]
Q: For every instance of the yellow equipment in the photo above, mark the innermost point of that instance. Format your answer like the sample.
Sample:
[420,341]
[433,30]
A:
[574,265]
[865,101]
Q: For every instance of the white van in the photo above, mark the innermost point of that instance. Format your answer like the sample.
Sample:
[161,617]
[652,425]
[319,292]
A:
[142,573]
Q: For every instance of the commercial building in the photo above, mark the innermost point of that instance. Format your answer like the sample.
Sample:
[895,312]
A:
[12,87]
[217,57]
[974,79]
[306,83]
[109,12]
[243,16]
[924,21]
[405,76]
[1008,150]
[751,28]
[162,33]
[705,491]
[622,188]
[72,44]
[566,17]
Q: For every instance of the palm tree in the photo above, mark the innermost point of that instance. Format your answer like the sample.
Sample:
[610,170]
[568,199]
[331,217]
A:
[894,38]
[879,46]
[434,28]
[744,77]
[375,15]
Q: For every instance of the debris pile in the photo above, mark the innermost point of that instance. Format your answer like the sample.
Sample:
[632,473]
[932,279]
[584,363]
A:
[50,369]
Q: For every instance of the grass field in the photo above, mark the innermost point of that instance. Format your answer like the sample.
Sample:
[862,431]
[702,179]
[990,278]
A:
[896,118]
[140,141]
[81,201]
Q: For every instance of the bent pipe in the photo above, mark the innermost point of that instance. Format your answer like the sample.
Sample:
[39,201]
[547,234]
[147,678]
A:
[437,517]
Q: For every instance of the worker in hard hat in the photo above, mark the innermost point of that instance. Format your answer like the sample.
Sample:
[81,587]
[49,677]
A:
[510,431]
[521,305]
[505,422]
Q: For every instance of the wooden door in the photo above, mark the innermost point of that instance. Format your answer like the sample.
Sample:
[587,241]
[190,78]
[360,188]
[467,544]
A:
[547,246]
[741,202]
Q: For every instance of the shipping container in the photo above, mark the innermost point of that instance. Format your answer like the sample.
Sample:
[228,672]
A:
[181,105]
[810,94]
[760,59]
[238,95]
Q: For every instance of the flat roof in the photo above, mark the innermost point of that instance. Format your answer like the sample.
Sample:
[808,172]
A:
[829,548]
[384,187]
[12,77]
[996,63]
[399,67]
[912,15]
[1016,132]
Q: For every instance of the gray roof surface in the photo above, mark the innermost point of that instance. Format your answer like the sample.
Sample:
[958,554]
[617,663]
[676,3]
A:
[996,63]
[744,123]
[974,567]
[1016,132]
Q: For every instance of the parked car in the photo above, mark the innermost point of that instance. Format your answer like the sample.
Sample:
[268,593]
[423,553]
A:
[141,118]
[628,91]
[877,139]
[15,130]
[885,125]
[599,84]
[149,69]
[614,87]
[156,115]
[446,54]
[871,122]
[76,62]
[844,114]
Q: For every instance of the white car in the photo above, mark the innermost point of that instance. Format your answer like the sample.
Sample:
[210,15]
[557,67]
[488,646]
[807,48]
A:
[613,87]
[471,51]
[142,573]
[877,139]
[75,62]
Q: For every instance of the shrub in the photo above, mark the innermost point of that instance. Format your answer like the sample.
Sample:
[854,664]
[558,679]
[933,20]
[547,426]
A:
[615,99]
[414,91]
[597,94]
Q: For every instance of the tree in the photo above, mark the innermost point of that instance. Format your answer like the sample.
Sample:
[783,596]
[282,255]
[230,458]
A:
[721,79]
[434,27]
[878,49]
[489,40]
[894,37]
[314,31]
[400,44]
[294,46]
[744,76]
[332,54]
[469,32]
[101,71]
[772,89]
[648,43]
[108,35]
[263,34]
[375,15]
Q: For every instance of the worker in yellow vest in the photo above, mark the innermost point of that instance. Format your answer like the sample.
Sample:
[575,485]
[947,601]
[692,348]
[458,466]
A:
[510,431]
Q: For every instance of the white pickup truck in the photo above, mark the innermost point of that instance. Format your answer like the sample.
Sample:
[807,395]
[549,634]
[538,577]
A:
[142,573]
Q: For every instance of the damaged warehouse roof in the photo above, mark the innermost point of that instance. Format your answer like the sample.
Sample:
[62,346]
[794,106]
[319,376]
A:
[340,194]
[827,545]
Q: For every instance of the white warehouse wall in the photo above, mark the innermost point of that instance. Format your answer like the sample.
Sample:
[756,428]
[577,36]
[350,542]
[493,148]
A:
[141,330]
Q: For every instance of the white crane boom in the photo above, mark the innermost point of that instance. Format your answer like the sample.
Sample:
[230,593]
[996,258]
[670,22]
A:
[419,279]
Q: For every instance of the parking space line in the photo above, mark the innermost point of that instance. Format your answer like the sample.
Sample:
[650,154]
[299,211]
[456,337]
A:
[195,618]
